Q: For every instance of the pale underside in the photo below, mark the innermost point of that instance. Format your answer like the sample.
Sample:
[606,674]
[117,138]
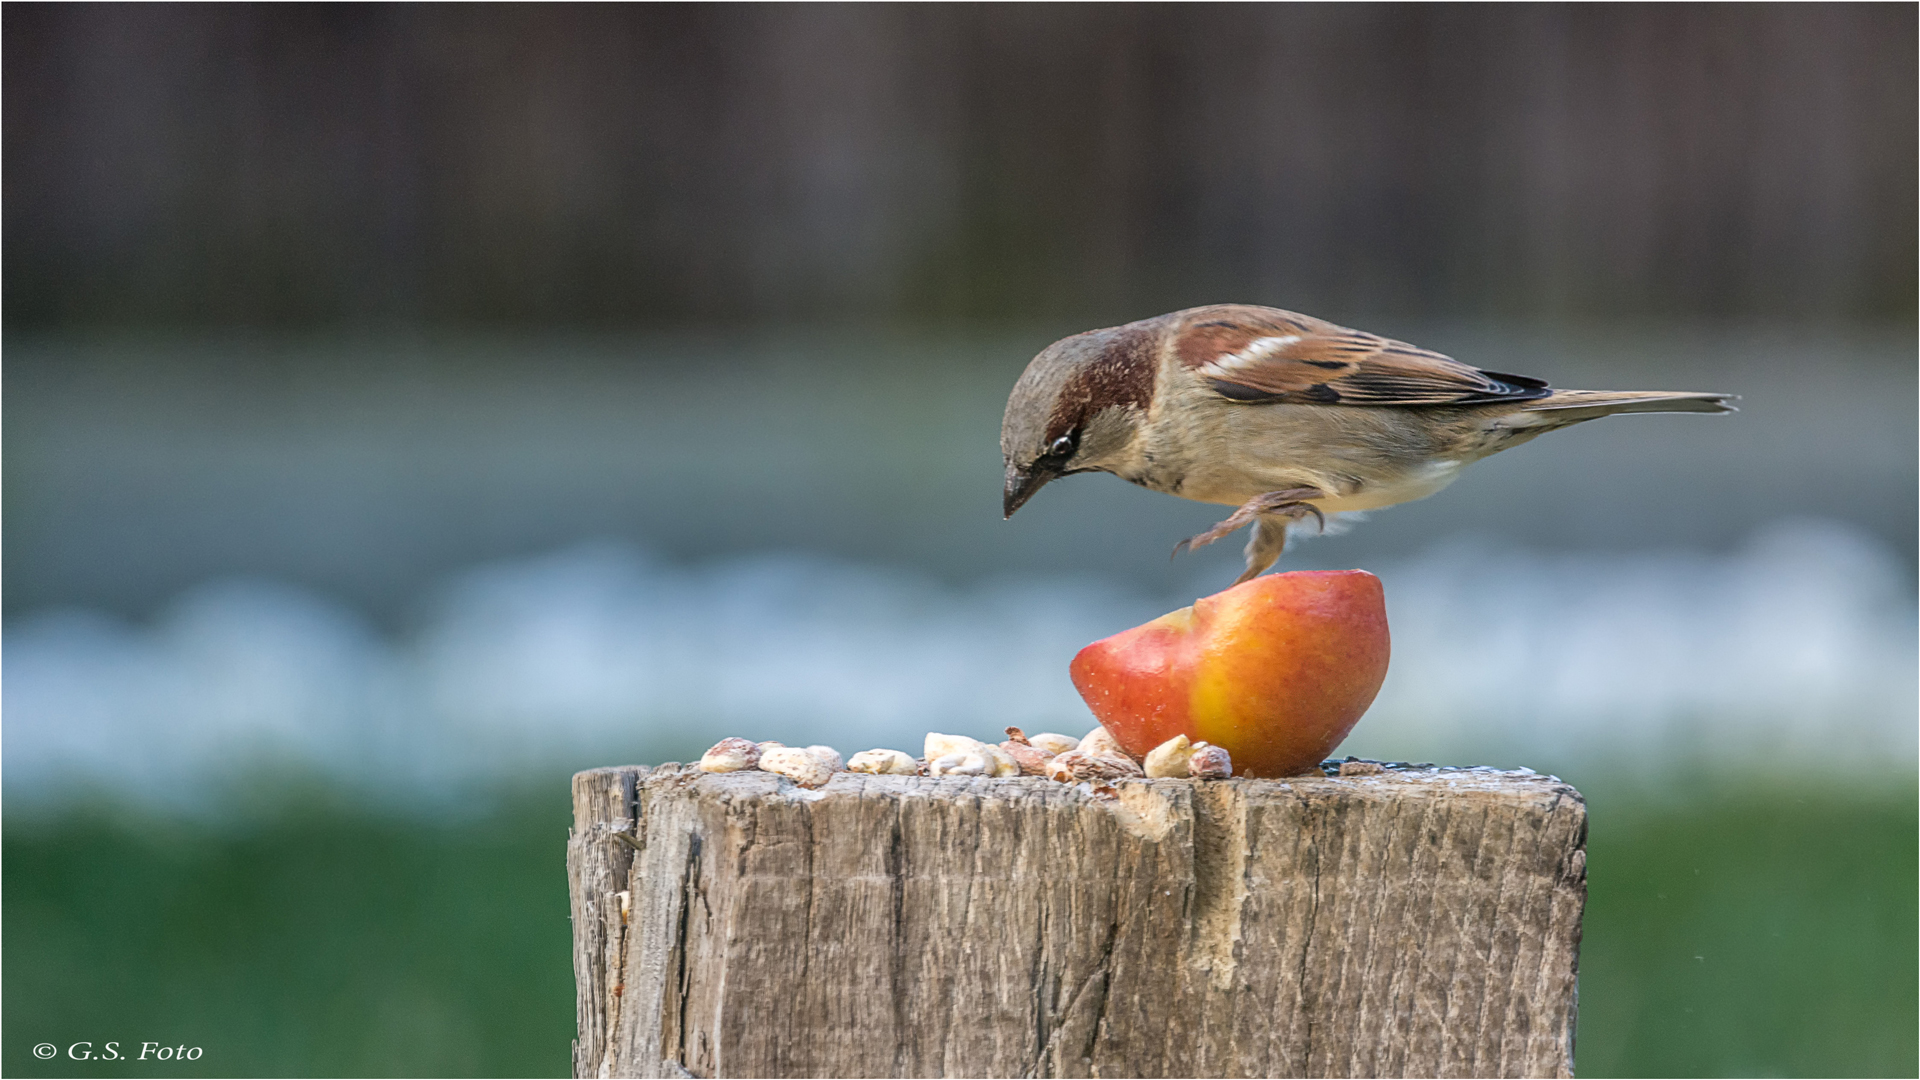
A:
[1365,458]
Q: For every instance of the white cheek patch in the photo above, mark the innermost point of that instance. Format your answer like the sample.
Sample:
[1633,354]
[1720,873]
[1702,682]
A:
[1252,356]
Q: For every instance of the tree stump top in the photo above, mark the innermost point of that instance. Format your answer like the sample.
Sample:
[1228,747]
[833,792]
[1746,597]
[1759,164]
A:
[1412,921]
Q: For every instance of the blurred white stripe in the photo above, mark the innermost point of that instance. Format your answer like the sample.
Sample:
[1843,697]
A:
[1797,650]
[1800,645]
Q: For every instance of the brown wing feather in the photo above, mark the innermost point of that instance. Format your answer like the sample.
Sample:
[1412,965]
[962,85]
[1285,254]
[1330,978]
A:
[1261,354]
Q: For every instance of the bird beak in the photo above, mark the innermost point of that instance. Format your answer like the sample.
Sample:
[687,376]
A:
[1022,483]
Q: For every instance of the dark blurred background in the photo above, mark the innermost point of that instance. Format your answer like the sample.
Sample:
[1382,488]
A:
[318,167]
[427,398]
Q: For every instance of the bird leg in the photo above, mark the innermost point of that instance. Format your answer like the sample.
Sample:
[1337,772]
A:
[1269,539]
[1270,514]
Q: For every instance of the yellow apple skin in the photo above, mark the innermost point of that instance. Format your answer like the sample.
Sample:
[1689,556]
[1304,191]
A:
[1276,670]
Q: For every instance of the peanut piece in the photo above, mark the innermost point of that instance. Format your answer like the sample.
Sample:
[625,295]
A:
[1077,765]
[1054,744]
[1031,759]
[730,755]
[1101,741]
[801,766]
[964,763]
[1209,762]
[939,746]
[1169,759]
[1003,763]
[883,763]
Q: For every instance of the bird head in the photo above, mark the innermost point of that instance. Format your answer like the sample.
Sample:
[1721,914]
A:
[1078,407]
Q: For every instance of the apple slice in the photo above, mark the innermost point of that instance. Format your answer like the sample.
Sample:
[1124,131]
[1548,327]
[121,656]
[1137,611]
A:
[1276,670]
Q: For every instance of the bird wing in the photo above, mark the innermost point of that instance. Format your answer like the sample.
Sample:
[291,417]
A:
[1258,354]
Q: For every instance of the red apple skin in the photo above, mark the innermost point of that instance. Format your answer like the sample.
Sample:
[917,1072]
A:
[1276,670]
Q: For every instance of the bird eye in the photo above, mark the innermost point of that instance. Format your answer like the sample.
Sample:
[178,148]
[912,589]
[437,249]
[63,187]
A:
[1061,447]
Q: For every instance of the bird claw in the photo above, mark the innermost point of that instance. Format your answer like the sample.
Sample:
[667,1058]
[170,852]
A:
[1290,504]
[1225,528]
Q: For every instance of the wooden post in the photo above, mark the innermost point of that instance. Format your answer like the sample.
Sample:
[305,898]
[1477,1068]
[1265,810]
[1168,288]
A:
[1413,922]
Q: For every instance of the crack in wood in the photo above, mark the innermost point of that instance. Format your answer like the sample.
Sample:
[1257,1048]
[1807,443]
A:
[690,892]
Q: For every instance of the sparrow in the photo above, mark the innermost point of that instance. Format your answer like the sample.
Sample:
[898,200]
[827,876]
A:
[1282,415]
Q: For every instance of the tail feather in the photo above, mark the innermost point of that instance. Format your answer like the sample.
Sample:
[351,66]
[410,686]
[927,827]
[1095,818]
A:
[1571,406]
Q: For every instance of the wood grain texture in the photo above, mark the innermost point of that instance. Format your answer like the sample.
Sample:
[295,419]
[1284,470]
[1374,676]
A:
[598,864]
[1417,922]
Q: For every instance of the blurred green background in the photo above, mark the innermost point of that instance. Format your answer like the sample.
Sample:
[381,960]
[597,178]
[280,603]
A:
[408,405]
[1761,930]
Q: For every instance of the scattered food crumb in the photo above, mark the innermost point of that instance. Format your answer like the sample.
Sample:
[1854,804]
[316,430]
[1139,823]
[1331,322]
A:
[1101,741]
[960,763]
[1096,759]
[938,745]
[803,767]
[1077,765]
[1054,744]
[1004,764]
[1169,759]
[1209,762]
[730,755]
[883,763]
[1031,759]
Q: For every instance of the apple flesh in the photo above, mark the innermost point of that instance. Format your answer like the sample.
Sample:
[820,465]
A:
[1276,670]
